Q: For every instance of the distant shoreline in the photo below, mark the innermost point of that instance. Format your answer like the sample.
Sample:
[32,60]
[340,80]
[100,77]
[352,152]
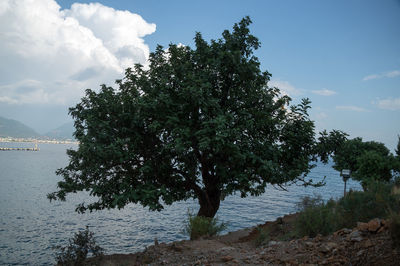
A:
[33,140]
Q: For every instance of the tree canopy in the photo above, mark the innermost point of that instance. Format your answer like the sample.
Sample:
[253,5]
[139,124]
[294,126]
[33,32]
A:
[368,161]
[196,123]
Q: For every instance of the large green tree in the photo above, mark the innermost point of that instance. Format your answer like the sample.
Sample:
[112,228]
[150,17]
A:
[196,123]
[368,161]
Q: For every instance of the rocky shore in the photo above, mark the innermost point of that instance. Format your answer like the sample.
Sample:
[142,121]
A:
[367,244]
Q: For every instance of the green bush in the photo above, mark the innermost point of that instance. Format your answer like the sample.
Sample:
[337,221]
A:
[78,248]
[263,237]
[318,217]
[198,226]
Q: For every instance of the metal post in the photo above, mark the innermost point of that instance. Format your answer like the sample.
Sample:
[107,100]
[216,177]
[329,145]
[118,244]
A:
[345,173]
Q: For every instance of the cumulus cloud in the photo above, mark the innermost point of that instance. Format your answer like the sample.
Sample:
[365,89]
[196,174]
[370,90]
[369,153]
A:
[390,74]
[351,108]
[324,92]
[52,55]
[392,104]
[285,87]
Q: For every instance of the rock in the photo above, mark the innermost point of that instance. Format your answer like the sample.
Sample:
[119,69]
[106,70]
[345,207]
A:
[367,243]
[225,249]
[305,238]
[362,226]
[272,243]
[381,229]
[328,247]
[342,232]
[318,238]
[374,225]
[177,248]
[226,258]
[355,236]
[360,253]
[308,244]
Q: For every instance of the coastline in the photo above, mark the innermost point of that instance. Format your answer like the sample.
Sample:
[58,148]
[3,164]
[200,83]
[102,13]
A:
[357,246]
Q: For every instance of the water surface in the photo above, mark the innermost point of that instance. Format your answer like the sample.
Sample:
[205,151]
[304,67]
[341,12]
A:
[30,225]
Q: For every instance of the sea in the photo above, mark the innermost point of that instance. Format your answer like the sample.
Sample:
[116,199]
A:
[31,226]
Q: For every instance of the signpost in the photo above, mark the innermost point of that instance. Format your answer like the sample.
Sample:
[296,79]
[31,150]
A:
[345,174]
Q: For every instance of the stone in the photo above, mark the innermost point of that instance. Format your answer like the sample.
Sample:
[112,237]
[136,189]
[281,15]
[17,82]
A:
[225,249]
[367,243]
[362,226]
[360,253]
[327,247]
[342,232]
[273,243]
[318,238]
[381,229]
[308,244]
[226,258]
[305,238]
[374,225]
[355,236]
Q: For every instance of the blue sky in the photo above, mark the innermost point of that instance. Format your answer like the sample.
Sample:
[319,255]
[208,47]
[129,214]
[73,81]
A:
[343,55]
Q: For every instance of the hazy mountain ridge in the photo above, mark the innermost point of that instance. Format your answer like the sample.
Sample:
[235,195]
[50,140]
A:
[16,129]
[64,131]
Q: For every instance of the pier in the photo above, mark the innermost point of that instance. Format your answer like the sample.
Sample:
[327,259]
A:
[20,149]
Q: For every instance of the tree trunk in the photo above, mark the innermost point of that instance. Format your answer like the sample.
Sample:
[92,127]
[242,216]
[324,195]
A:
[209,203]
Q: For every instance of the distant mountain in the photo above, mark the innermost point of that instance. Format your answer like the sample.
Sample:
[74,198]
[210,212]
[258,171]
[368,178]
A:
[13,128]
[63,132]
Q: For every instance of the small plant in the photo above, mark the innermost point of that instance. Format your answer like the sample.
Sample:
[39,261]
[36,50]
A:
[263,237]
[78,248]
[198,226]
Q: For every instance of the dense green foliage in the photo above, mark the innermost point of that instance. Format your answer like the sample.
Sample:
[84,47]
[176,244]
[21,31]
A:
[82,244]
[319,217]
[197,123]
[368,161]
[199,226]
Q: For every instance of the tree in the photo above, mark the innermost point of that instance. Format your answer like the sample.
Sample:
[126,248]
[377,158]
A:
[197,123]
[367,161]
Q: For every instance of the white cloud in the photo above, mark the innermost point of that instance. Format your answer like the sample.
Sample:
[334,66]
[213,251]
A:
[392,104]
[324,92]
[52,55]
[390,74]
[285,87]
[351,108]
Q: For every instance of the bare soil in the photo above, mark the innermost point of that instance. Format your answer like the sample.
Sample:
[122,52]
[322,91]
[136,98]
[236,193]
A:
[356,246]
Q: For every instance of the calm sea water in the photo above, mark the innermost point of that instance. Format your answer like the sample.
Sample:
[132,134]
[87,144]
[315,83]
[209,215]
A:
[30,225]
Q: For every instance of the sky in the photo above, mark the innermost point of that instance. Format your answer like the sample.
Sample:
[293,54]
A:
[344,55]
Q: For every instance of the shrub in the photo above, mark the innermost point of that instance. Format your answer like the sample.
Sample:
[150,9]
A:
[315,217]
[198,226]
[78,248]
[263,237]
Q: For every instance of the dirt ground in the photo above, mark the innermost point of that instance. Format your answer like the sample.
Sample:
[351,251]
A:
[357,246]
